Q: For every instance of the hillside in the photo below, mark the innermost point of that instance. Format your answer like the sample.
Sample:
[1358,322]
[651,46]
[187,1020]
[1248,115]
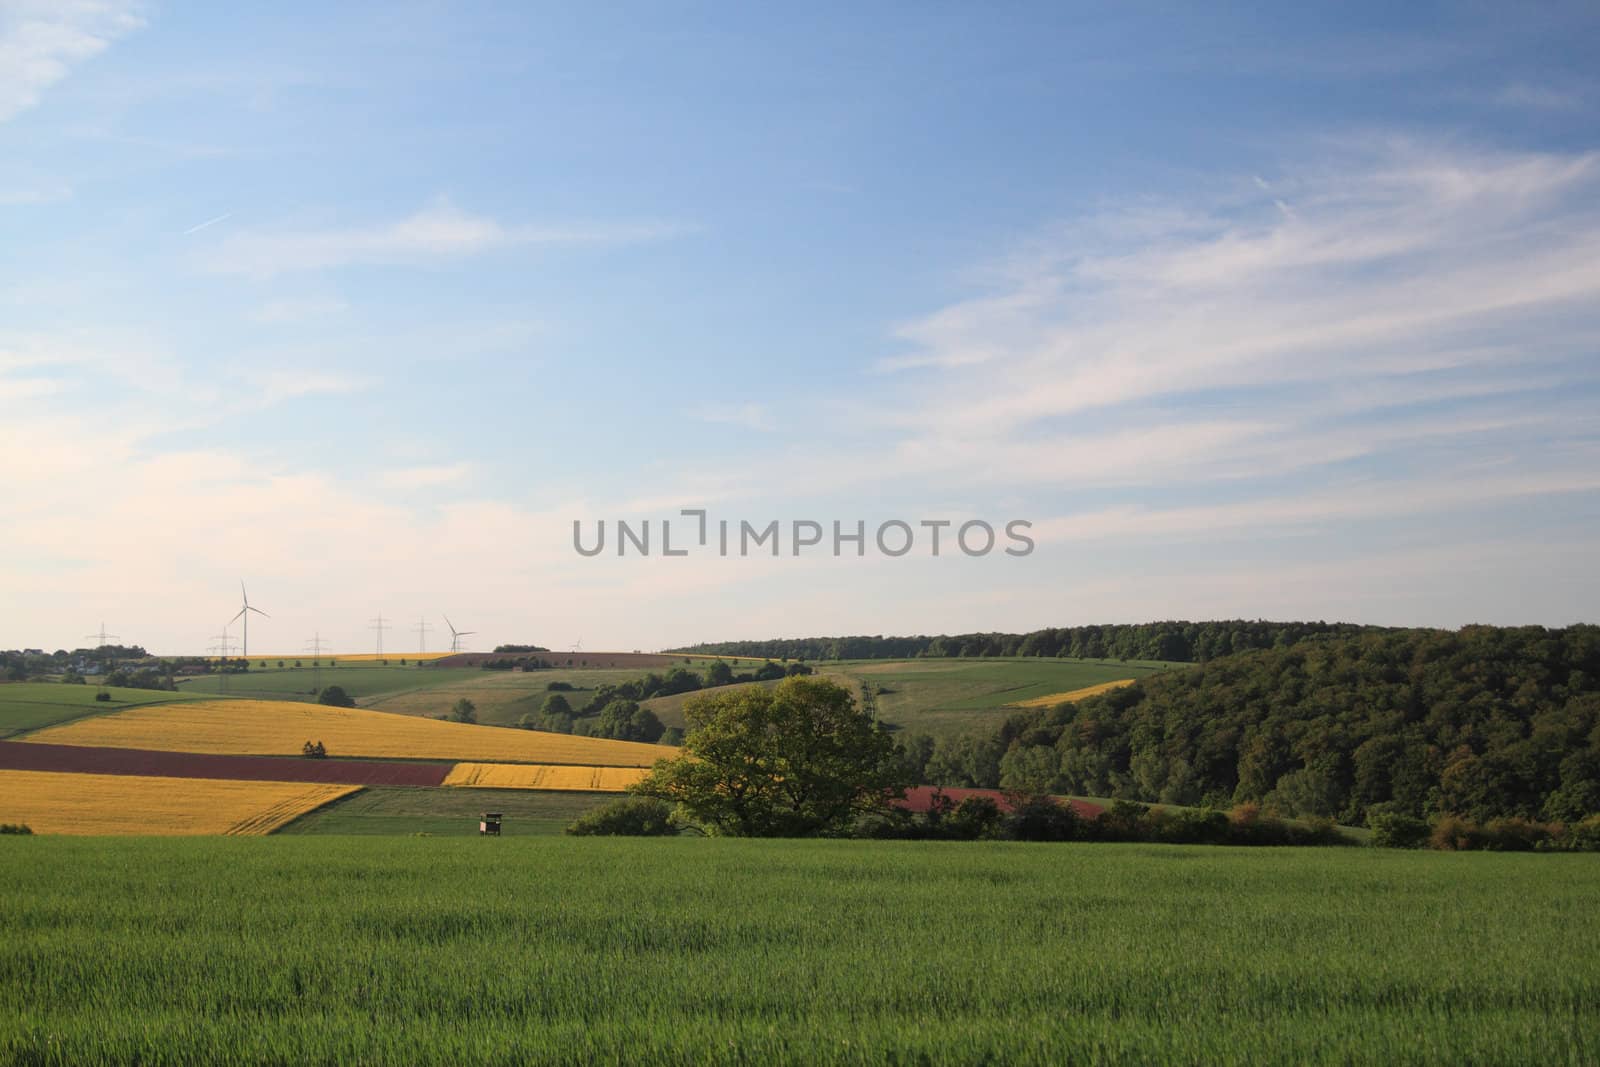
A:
[1484,722]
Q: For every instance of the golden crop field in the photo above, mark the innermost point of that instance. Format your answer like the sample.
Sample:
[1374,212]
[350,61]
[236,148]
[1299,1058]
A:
[348,657]
[56,803]
[544,776]
[1051,699]
[282,727]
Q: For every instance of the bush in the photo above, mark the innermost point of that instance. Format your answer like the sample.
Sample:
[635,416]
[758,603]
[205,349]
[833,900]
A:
[1394,829]
[1042,818]
[102,695]
[975,818]
[19,828]
[464,711]
[334,696]
[1583,836]
[627,817]
[314,751]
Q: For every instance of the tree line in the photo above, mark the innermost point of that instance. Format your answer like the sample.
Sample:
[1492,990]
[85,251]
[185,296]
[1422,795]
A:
[1177,642]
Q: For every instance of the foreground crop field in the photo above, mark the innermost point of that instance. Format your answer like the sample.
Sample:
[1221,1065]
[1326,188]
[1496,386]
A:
[53,803]
[281,728]
[556,950]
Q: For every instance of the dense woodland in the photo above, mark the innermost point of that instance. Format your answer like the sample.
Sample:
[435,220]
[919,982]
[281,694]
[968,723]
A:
[1484,723]
[1179,642]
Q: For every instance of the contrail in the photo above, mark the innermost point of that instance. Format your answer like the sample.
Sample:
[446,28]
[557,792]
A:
[208,222]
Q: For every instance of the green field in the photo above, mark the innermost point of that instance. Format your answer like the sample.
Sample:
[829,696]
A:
[690,950]
[446,812]
[26,706]
[940,696]
[297,683]
[501,697]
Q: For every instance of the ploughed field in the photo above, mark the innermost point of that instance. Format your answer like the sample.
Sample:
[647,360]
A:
[435,951]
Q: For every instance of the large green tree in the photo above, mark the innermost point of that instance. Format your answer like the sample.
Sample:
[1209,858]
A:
[792,761]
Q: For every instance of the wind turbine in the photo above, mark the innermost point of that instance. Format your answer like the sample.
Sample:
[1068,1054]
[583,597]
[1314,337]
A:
[244,613]
[456,635]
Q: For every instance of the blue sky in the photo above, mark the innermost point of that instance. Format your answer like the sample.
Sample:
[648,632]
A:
[1272,311]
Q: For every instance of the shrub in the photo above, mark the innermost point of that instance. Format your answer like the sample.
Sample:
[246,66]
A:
[1516,835]
[627,817]
[1583,836]
[974,818]
[102,695]
[1395,829]
[314,751]
[1042,818]
[464,711]
[334,696]
[1453,833]
[19,828]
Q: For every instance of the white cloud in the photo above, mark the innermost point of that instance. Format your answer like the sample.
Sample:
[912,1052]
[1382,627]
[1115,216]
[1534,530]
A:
[284,383]
[34,195]
[42,40]
[438,233]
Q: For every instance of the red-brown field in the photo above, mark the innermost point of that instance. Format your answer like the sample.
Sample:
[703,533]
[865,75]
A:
[920,798]
[32,756]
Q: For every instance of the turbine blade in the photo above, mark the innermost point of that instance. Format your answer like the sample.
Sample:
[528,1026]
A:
[236,617]
[258,611]
[242,592]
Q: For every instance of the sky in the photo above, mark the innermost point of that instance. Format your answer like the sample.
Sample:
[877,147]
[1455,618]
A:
[1261,311]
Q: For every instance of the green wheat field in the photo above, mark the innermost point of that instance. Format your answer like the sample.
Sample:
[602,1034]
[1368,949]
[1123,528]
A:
[548,950]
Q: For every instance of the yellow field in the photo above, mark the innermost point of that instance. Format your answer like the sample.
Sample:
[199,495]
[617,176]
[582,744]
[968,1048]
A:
[281,728]
[54,803]
[351,657]
[544,776]
[1052,699]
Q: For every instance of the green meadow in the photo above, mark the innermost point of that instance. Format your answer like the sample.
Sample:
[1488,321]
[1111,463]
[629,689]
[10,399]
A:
[691,950]
[940,696]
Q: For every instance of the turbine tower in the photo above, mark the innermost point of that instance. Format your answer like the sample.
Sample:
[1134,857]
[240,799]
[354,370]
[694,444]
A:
[456,635]
[244,613]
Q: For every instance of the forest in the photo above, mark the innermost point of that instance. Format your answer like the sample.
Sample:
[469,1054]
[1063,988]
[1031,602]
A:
[1483,723]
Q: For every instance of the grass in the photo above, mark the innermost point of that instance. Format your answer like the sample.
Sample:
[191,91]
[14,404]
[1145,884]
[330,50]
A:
[26,706]
[53,803]
[501,697]
[943,696]
[391,811]
[296,683]
[281,728]
[551,950]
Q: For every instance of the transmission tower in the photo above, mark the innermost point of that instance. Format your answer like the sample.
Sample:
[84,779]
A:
[102,637]
[421,630]
[379,625]
[315,646]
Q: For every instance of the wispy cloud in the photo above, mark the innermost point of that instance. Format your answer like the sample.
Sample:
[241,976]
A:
[284,383]
[41,41]
[438,233]
[1540,97]
[1404,262]
[750,416]
[427,476]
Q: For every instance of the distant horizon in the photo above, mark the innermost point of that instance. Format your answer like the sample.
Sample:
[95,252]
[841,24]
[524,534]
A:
[686,647]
